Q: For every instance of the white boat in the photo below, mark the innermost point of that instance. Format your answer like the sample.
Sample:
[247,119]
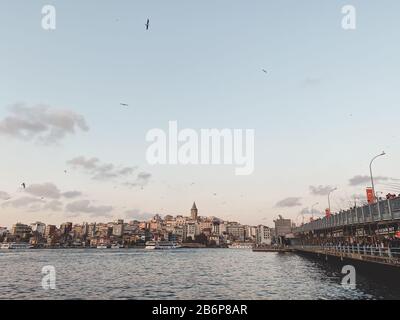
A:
[240,246]
[15,246]
[161,245]
[102,246]
[117,246]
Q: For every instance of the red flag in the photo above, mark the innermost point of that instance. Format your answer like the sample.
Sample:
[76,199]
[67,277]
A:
[370,195]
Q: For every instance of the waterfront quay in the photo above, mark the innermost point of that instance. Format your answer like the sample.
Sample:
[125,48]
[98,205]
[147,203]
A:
[368,235]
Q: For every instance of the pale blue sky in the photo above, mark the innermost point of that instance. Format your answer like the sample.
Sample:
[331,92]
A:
[328,104]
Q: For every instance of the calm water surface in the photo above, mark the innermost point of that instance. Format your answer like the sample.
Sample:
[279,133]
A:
[177,274]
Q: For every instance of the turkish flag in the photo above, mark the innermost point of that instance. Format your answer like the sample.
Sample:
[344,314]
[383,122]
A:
[370,196]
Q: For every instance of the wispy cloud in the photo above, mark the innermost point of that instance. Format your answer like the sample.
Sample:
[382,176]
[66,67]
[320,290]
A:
[136,214]
[49,190]
[84,206]
[41,123]
[98,170]
[289,202]
[4,195]
[362,180]
[308,211]
[320,190]
[45,190]
[71,194]
[142,179]
[21,202]
[54,205]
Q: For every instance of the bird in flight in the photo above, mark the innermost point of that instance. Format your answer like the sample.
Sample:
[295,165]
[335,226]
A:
[147,24]
[265,71]
[124,104]
[23,185]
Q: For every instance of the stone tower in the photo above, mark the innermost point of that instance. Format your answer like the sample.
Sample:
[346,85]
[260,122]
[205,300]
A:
[193,211]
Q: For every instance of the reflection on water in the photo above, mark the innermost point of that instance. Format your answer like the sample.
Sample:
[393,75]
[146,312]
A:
[178,274]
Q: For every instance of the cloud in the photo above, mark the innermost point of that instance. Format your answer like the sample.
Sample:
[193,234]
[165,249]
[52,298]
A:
[362,180]
[142,179]
[315,211]
[41,123]
[54,205]
[45,190]
[87,164]
[71,194]
[49,190]
[320,190]
[83,206]
[135,214]
[4,195]
[289,202]
[98,170]
[21,202]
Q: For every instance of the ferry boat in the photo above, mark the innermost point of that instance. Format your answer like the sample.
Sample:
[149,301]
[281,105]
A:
[161,245]
[241,246]
[102,246]
[117,246]
[15,246]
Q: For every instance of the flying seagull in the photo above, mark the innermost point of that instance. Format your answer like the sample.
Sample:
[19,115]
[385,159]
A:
[147,24]
[124,104]
[265,71]
[23,185]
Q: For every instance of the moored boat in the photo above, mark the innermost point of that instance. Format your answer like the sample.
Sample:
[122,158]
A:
[161,245]
[15,246]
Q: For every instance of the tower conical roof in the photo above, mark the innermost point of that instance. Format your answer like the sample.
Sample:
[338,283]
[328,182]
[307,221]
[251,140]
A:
[194,206]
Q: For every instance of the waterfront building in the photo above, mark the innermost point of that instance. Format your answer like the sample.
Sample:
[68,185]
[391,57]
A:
[3,231]
[251,233]
[118,228]
[263,235]
[91,230]
[180,220]
[282,226]
[236,231]
[50,230]
[191,230]
[21,231]
[38,227]
[222,227]
[103,230]
[205,223]
[215,227]
[66,228]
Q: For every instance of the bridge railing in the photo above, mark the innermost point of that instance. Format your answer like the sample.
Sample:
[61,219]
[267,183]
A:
[377,251]
[384,210]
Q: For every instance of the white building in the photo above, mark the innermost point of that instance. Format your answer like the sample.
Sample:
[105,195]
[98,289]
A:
[191,230]
[263,235]
[38,227]
[3,231]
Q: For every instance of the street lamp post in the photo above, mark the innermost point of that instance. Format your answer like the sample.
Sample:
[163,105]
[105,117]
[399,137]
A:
[370,171]
[312,209]
[329,199]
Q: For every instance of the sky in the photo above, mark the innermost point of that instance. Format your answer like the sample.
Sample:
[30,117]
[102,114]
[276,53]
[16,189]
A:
[326,106]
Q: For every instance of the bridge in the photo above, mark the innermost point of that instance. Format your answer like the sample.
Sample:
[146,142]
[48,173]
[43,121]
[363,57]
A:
[382,212]
[369,234]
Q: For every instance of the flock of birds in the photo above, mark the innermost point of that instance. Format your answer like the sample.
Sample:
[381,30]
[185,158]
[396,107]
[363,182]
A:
[123,104]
